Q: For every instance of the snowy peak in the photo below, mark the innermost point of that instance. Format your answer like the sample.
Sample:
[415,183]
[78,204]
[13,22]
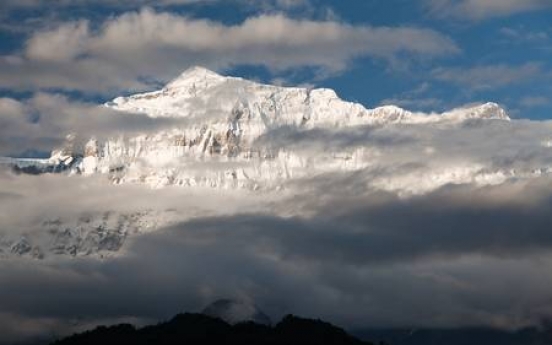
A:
[486,111]
[391,114]
[204,94]
[195,75]
[199,71]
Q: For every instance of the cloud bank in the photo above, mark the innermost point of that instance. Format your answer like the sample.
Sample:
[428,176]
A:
[139,3]
[461,256]
[43,121]
[328,245]
[125,51]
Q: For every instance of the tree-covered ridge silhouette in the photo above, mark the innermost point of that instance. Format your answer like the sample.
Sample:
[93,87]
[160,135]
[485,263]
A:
[201,329]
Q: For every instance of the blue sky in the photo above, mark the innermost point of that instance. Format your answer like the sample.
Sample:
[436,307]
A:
[427,55]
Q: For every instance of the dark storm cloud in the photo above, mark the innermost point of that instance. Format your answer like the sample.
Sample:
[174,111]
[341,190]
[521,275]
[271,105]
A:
[448,258]
[382,229]
[330,245]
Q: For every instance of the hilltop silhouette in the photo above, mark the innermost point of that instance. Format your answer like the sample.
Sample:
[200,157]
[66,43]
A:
[202,329]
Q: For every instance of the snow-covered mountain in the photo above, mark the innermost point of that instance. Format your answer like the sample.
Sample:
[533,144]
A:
[225,139]
[208,97]
[234,134]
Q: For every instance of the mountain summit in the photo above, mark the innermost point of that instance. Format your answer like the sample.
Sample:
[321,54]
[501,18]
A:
[195,75]
[198,91]
[197,71]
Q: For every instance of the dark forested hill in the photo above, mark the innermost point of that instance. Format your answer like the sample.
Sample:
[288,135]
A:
[202,329]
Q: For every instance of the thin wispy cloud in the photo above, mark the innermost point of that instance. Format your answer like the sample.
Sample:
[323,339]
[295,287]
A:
[43,121]
[490,76]
[483,9]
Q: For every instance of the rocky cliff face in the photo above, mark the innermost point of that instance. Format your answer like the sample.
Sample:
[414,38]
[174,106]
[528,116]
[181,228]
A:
[97,234]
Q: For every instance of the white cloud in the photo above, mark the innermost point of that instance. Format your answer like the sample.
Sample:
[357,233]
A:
[482,9]
[523,35]
[489,76]
[159,45]
[138,3]
[416,99]
[43,121]
[61,45]
[414,103]
[535,101]
[118,3]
